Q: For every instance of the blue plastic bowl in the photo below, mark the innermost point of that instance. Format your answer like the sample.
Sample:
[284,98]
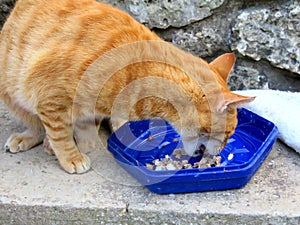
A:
[242,156]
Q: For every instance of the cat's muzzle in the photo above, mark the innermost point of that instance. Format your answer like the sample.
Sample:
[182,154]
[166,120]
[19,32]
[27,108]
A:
[197,146]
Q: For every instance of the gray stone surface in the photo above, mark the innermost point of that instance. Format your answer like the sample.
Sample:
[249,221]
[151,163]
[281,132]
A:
[34,190]
[251,78]
[271,33]
[5,8]
[165,13]
[215,35]
[208,37]
[249,74]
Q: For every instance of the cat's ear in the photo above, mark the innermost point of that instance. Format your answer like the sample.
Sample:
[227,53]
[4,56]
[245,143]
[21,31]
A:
[223,65]
[234,101]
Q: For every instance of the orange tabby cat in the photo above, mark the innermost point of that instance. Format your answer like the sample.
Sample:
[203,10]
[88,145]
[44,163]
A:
[66,63]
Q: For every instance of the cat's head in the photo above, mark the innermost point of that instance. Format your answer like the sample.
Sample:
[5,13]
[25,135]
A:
[216,112]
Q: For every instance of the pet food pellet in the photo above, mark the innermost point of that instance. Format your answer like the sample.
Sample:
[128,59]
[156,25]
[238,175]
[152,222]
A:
[218,160]
[150,166]
[150,138]
[167,163]
[160,167]
[170,166]
[178,153]
[187,166]
[156,162]
[230,156]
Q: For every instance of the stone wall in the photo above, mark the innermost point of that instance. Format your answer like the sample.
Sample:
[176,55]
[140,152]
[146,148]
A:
[5,8]
[265,34]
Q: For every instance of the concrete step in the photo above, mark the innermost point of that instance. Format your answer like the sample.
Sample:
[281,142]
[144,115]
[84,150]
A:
[35,190]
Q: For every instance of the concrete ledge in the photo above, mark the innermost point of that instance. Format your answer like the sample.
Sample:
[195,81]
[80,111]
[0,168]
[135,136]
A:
[34,190]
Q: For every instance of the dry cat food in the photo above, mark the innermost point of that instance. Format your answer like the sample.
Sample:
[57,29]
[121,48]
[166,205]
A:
[168,163]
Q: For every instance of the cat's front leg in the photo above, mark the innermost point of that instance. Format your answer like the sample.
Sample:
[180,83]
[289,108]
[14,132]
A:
[60,134]
[86,135]
[63,145]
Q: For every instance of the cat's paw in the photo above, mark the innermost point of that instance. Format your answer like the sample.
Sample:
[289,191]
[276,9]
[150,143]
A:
[19,142]
[79,164]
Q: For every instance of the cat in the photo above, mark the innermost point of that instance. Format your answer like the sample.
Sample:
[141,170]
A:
[67,64]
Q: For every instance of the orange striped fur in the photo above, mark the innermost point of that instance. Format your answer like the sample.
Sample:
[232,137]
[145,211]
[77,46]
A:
[48,50]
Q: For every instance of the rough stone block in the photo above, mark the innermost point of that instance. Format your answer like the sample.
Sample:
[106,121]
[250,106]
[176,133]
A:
[271,33]
[163,14]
